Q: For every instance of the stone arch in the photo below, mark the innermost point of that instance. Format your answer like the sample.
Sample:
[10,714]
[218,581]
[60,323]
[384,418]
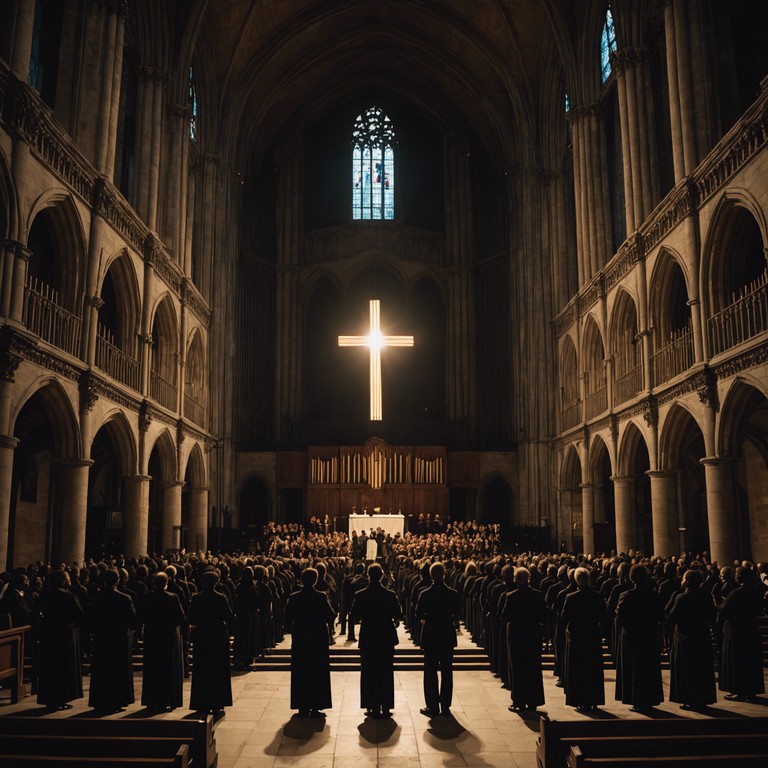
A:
[119,284]
[195,385]
[57,244]
[632,467]
[599,472]
[734,269]
[626,348]
[497,501]
[743,441]
[569,383]
[124,439]
[194,502]
[255,505]
[570,533]
[164,490]
[165,349]
[592,361]
[9,202]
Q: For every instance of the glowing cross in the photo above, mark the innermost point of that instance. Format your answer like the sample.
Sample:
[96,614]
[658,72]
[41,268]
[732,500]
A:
[375,340]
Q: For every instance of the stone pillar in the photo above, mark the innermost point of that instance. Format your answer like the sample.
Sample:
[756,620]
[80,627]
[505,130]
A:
[7,447]
[718,474]
[588,517]
[107,71]
[624,500]
[19,283]
[664,512]
[172,515]
[198,520]
[73,509]
[117,79]
[135,514]
[149,141]
[22,39]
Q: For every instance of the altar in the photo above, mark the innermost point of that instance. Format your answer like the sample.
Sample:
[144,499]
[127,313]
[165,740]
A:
[391,524]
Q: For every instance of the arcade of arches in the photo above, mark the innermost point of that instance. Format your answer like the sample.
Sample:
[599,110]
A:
[197,201]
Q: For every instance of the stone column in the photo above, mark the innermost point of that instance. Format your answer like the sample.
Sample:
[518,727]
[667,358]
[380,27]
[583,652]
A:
[664,512]
[19,283]
[198,519]
[149,140]
[718,475]
[7,447]
[22,39]
[73,508]
[172,515]
[109,36]
[624,500]
[135,514]
[588,517]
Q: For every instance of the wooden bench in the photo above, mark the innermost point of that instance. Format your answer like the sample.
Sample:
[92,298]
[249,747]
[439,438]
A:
[552,751]
[12,660]
[179,760]
[197,735]
[577,760]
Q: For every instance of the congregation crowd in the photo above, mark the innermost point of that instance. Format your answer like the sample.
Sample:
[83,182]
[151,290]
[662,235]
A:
[183,609]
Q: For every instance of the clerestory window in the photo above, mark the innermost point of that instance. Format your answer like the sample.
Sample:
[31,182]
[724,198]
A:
[607,45]
[373,166]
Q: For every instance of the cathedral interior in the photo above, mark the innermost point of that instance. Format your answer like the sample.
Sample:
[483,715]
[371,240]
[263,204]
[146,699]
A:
[561,207]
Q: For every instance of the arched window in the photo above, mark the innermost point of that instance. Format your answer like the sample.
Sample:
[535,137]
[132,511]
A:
[373,166]
[192,103]
[607,45]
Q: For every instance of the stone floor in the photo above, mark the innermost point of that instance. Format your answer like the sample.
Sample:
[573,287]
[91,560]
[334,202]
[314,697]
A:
[260,731]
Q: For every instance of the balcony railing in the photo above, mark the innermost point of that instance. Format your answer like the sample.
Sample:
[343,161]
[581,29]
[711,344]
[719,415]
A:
[744,318]
[674,358]
[596,402]
[44,316]
[194,411]
[114,362]
[629,384]
[570,416]
[162,391]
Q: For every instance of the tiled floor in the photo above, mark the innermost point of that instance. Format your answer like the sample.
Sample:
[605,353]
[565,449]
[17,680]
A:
[260,731]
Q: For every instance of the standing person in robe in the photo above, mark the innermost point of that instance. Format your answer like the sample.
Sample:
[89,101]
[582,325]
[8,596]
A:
[582,617]
[60,677]
[113,619]
[639,618]
[307,617]
[249,605]
[162,619]
[210,619]
[378,612]
[741,667]
[438,610]
[266,617]
[691,662]
[523,615]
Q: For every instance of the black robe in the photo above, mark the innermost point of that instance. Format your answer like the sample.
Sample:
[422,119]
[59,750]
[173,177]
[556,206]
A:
[691,661]
[582,616]
[377,610]
[210,619]
[249,606]
[60,677]
[161,616]
[523,613]
[113,618]
[307,617]
[639,616]
[741,667]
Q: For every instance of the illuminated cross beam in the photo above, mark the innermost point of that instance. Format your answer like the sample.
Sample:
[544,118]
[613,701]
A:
[375,340]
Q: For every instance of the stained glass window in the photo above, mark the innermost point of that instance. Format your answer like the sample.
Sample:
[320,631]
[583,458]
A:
[607,45]
[567,102]
[192,102]
[373,166]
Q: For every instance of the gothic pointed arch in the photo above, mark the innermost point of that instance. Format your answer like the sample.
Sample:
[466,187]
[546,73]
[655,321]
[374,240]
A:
[626,348]
[195,383]
[9,204]
[122,435]
[570,412]
[164,355]
[593,363]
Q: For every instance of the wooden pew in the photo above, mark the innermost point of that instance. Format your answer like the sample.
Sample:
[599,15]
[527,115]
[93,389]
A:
[552,752]
[179,760]
[196,734]
[577,760]
[12,660]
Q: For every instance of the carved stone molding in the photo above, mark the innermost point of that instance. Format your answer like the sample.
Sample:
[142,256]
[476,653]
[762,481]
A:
[89,395]
[107,390]
[145,418]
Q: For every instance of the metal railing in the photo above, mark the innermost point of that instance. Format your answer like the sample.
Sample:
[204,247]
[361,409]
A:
[162,391]
[745,317]
[629,384]
[570,416]
[45,317]
[114,362]
[194,411]
[675,357]
[596,402]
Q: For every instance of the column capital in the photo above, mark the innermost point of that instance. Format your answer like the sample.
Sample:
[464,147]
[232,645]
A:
[584,486]
[718,461]
[174,484]
[17,248]
[198,489]
[8,442]
[74,463]
[136,478]
[623,479]
[662,473]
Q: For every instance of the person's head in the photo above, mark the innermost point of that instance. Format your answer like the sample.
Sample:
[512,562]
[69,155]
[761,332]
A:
[692,579]
[508,574]
[160,581]
[19,581]
[309,577]
[437,572]
[638,574]
[59,579]
[210,579]
[110,578]
[581,577]
[726,573]
[744,575]
[522,577]
[171,572]
[375,573]
[246,575]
